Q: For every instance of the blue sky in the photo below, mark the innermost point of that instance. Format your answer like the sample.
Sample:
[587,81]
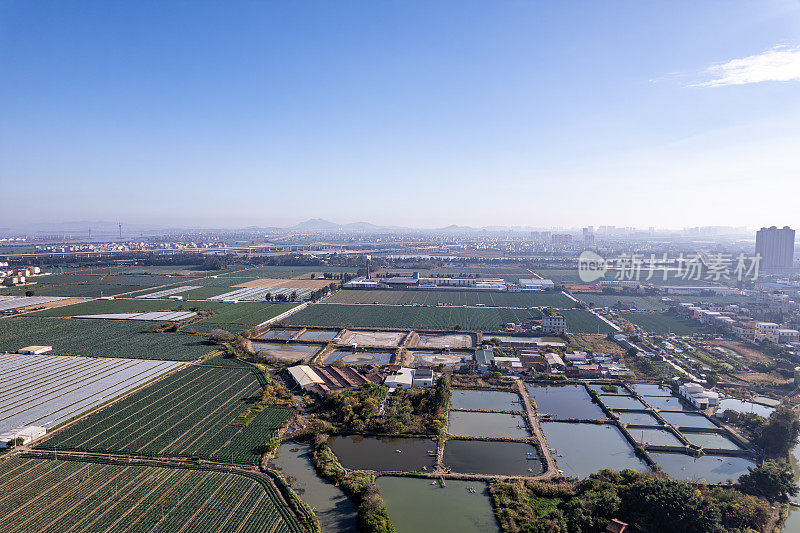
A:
[414,113]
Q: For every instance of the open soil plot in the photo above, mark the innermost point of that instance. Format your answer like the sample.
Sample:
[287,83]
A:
[285,352]
[485,400]
[453,340]
[100,338]
[564,401]
[384,454]
[487,457]
[405,317]
[48,390]
[373,338]
[708,468]
[583,449]
[47,495]
[192,413]
[419,505]
[473,424]
[435,359]
[360,358]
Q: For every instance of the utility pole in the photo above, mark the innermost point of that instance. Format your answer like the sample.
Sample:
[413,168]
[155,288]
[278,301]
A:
[120,230]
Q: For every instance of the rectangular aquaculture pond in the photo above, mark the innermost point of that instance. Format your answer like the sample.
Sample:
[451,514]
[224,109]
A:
[384,454]
[564,401]
[711,440]
[692,420]
[359,357]
[318,335]
[488,457]
[472,424]
[485,400]
[708,468]
[285,352]
[655,437]
[616,401]
[581,449]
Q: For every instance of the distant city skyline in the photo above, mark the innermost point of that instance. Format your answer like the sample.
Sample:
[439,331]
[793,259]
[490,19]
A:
[401,114]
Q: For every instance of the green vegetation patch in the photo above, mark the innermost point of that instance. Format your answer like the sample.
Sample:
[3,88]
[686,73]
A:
[100,338]
[192,413]
[662,323]
[471,298]
[376,316]
[75,495]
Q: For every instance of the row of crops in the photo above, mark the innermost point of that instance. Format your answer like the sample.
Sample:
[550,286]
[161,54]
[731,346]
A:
[100,338]
[187,414]
[471,298]
[441,318]
[71,495]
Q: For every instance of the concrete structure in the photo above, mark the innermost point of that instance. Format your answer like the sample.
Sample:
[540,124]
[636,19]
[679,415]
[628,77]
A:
[776,248]
[554,362]
[695,394]
[35,350]
[402,377]
[554,325]
[28,435]
[304,375]
[423,377]
[536,284]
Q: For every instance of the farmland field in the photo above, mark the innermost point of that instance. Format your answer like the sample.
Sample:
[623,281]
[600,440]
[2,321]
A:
[471,298]
[59,495]
[246,313]
[100,338]
[88,285]
[48,390]
[288,271]
[191,413]
[643,303]
[662,323]
[580,321]
[388,316]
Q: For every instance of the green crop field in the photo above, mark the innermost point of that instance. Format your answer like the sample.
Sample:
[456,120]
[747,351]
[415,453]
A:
[643,303]
[190,413]
[663,323]
[246,313]
[389,316]
[91,286]
[285,272]
[100,338]
[471,298]
[580,321]
[59,495]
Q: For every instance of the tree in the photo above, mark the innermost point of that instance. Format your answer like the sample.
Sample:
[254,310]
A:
[669,505]
[772,480]
[780,433]
[28,293]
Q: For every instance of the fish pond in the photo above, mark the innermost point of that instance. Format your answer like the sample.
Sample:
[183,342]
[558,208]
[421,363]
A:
[424,505]
[278,334]
[741,406]
[333,508]
[672,403]
[360,358]
[564,401]
[285,352]
[711,440]
[655,437]
[582,449]
[487,457]
[651,389]
[639,419]
[711,468]
[472,424]
[691,420]
[485,400]
[616,401]
[318,335]
[384,454]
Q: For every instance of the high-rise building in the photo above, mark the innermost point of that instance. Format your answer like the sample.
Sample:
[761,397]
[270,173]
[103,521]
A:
[776,248]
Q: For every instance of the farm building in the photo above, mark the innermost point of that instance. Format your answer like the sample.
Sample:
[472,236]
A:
[423,377]
[35,350]
[27,435]
[554,325]
[695,394]
[402,377]
[322,379]
[536,284]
